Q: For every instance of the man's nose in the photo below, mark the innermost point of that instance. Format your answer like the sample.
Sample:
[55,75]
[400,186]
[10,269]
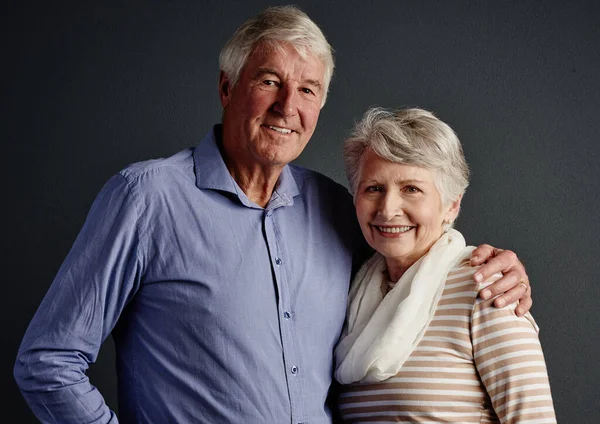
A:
[286,102]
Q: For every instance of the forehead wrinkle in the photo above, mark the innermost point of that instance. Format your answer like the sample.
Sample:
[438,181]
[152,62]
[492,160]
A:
[408,180]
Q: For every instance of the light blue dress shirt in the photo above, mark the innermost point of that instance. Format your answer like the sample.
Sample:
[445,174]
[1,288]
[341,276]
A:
[221,311]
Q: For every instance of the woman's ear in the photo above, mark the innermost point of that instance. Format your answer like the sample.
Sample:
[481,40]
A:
[453,209]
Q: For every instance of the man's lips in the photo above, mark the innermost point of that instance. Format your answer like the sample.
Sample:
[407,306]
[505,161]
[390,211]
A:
[280,130]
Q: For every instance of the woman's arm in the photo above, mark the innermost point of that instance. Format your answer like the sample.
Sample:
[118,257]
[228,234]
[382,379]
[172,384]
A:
[509,359]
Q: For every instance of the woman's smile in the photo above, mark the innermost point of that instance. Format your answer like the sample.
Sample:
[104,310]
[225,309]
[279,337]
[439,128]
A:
[393,231]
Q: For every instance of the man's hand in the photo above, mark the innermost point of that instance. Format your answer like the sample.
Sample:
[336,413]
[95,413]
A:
[514,282]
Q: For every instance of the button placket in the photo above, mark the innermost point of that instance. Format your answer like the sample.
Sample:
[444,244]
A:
[291,352]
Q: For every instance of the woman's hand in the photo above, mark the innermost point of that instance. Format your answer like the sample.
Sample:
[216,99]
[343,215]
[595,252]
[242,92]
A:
[514,284]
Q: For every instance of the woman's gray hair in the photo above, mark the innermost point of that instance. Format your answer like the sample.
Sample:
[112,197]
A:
[413,137]
[275,25]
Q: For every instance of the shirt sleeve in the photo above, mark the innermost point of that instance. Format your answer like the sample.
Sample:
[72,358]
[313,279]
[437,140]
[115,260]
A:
[510,362]
[93,285]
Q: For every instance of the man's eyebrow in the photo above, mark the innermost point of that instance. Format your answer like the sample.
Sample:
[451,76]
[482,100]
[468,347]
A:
[314,83]
[263,71]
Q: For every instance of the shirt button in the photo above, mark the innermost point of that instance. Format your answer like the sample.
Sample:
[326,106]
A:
[294,369]
[278,261]
[287,315]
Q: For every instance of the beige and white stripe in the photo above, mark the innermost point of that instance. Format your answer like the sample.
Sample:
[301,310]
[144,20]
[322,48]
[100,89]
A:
[475,364]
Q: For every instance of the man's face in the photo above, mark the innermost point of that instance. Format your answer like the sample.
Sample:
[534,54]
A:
[272,111]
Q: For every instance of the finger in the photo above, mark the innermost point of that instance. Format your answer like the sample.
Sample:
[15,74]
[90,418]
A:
[524,305]
[507,282]
[505,261]
[481,254]
[491,267]
[511,295]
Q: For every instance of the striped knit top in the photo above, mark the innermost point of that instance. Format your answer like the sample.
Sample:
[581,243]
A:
[475,364]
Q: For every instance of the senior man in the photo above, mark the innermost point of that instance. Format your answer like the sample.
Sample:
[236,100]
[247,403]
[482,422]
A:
[221,272]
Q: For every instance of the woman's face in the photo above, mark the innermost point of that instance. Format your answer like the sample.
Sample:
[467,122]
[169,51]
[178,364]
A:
[399,210]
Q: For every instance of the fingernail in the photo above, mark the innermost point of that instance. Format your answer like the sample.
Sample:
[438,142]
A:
[474,258]
[519,312]
[478,278]
[500,303]
[485,294]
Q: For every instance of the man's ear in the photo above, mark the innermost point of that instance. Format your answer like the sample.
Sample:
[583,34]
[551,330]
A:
[224,89]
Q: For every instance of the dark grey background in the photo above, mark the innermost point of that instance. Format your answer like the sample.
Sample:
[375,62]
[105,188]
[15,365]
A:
[88,88]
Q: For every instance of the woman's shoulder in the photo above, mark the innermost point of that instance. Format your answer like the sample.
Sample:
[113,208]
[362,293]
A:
[463,267]
[462,275]
[460,282]
[460,290]
[464,271]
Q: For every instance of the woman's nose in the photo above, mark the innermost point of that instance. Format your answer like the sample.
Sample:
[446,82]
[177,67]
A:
[390,206]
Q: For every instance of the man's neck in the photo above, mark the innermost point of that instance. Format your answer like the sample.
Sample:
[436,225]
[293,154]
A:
[256,182]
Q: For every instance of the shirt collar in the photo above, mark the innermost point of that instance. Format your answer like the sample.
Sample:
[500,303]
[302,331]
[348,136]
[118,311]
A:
[212,173]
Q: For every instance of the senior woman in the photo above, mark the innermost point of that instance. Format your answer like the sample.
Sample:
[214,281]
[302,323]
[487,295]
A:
[419,345]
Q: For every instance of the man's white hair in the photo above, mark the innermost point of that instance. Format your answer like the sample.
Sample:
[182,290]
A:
[271,27]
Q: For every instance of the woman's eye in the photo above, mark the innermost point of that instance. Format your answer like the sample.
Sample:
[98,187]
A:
[373,189]
[412,189]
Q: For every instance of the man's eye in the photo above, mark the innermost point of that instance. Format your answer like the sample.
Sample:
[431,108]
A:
[412,189]
[373,189]
[307,90]
[269,82]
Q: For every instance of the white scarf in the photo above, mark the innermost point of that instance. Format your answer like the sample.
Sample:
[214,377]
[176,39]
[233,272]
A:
[381,332]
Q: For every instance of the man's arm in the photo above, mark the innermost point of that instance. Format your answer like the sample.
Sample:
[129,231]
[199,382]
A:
[79,311]
[514,282]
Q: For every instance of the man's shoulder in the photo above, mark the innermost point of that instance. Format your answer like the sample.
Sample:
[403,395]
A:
[152,171]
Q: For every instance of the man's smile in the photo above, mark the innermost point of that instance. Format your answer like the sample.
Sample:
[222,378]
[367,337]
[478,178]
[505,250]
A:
[280,130]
